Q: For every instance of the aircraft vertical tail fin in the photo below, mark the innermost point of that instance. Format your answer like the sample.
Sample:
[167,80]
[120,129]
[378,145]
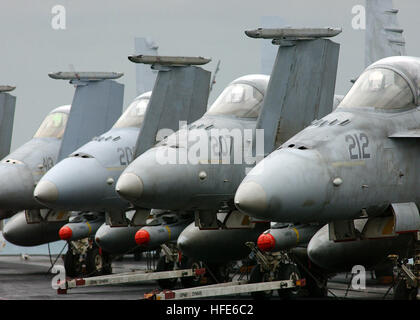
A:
[384,36]
[180,94]
[302,83]
[97,104]
[145,76]
[7,113]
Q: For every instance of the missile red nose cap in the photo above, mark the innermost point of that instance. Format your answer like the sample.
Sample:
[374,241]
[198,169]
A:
[65,233]
[142,237]
[266,242]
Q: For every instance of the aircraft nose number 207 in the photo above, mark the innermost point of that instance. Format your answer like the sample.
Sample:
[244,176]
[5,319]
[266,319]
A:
[358,146]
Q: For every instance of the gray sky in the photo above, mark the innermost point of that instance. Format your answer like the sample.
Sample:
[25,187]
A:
[100,35]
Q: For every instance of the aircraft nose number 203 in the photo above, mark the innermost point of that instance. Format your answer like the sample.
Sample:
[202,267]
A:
[358,146]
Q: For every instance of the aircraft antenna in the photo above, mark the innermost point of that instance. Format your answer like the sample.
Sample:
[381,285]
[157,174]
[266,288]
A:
[213,79]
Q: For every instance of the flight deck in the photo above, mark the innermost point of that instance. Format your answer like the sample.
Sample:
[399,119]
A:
[28,277]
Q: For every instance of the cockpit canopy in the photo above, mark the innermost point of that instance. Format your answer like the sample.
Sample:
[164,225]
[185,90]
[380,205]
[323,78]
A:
[389,84]
[242,98]
[134,115]
[53,126]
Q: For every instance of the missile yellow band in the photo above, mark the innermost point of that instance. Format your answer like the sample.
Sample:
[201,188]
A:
[169,232]
[297,235]
[90,228]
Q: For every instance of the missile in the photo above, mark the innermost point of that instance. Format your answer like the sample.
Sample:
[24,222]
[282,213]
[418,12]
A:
[286,237]
[19,232]
[342,256]
[118,240]
[153,236]
[84,228]
[218,246]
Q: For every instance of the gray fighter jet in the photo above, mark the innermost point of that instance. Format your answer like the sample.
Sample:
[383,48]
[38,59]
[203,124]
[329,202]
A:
[99,162]
[62,130]
[357,162]
[207,161]
[24,167]
[363,142]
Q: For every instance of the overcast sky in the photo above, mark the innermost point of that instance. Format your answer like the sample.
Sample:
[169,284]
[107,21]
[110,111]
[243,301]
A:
[100,34]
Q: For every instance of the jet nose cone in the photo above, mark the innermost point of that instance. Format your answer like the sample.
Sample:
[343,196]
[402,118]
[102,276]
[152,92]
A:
[129,186]
[142,237]
[46,192]
[290,185]
[148,183]
[78,184]
[251,198]
[65,233]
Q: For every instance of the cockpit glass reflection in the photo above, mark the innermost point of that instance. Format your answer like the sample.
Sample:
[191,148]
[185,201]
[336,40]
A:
[134,115]
[240,100]
[53,126]
[380,88]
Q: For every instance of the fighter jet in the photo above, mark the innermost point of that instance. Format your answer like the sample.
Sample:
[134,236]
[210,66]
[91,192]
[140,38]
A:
[207,185]
[383,38]
[357,162]
[236,108]
[99,162]
[316,168]
[25,166]
[64,128]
